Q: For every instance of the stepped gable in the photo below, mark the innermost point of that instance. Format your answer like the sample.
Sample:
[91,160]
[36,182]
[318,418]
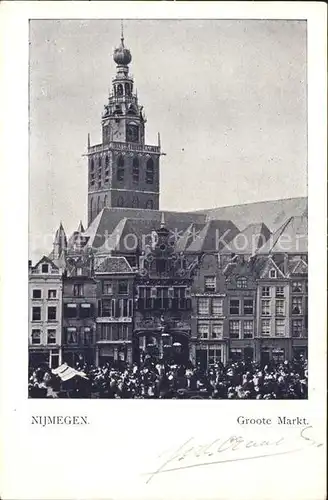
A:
[213,236]
[273,213]
[291,237]
[248,241]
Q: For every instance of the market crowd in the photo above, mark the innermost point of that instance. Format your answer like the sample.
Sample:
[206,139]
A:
[154,378]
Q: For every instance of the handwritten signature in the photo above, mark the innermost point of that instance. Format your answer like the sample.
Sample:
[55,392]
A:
[232,449]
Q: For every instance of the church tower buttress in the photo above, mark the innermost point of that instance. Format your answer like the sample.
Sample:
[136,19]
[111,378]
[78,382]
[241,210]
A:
[123,171]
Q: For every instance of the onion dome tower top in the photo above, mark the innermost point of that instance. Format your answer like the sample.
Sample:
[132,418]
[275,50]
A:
[122,55]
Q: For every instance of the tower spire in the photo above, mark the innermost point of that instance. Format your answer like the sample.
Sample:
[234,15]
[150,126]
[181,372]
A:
[122,33]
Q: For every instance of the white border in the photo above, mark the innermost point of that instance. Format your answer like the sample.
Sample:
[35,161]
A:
[104,459]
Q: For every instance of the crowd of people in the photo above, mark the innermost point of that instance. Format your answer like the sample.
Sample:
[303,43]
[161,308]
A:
[156,378]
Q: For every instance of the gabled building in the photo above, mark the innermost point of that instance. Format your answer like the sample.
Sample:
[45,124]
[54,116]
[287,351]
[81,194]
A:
[210,341]
[115,294]
[163,299]
[45,313]
[241,287]
[79,307]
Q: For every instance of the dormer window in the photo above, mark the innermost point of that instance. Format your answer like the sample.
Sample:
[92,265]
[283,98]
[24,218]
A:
[273,273]
[45,268]
[242,282]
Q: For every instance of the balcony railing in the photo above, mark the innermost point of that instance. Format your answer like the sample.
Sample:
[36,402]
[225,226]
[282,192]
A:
[124,146]
[164,304]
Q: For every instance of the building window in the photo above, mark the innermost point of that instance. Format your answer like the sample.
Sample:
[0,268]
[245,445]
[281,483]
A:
[135,202]
[273,273]
[36,294]
[52,294]
[236,355]
[107,288]
[203,329]
[52,313]
[278,355]
[280,291]
[203,306]
[297,305]
[214,356]
[234,306]
[241,282]
[36,337]
[51,337]
[150,171]
[45,268]
[248,329]
[78,290]
[248,306]
[280,328]
[71,335]
[217,330]
[280,307]
[135,170]
[265,308]
[266,328]
[122,287]
[85,310]
[265,292]
[234,329]
[296,286]
[120,201]
[70,310]
[36,313]
[150,204]
[92,164]
[210,284]
[123,332]
[297,328]
[217,307]
[120,169]
[87,336]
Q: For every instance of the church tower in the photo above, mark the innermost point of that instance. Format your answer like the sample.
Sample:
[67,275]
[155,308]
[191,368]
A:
[123,171]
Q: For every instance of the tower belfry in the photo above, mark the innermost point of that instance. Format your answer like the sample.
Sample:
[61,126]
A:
[123,171]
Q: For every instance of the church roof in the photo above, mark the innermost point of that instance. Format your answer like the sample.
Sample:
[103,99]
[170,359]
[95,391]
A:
[248,241]
[291,237]
[213,236]
[273,213]
[119,228]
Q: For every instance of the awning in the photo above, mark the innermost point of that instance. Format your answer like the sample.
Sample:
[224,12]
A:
[65,372]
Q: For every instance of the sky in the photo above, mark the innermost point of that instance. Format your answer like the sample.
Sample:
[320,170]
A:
[228,98]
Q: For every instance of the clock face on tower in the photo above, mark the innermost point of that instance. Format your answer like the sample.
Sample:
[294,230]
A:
[132,133]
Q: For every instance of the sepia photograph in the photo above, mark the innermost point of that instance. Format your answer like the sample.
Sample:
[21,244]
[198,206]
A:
[168,226]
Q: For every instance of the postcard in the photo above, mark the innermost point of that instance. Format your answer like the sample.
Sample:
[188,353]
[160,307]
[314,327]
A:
[163,266]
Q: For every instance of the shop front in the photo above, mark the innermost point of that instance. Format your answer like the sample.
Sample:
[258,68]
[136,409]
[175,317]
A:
[207,354]
[241,350]
[300,348]
[43,356]
[274,350]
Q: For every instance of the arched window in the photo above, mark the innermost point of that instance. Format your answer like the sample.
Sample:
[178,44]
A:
[120,169]
[135,170]
[106,162]
[120,201]
[92,164]
[98,205]
[150,171]
[119,89]
[91,210]
[105,201]
[150,204]
[127,89]
[99,162]
[135,202]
